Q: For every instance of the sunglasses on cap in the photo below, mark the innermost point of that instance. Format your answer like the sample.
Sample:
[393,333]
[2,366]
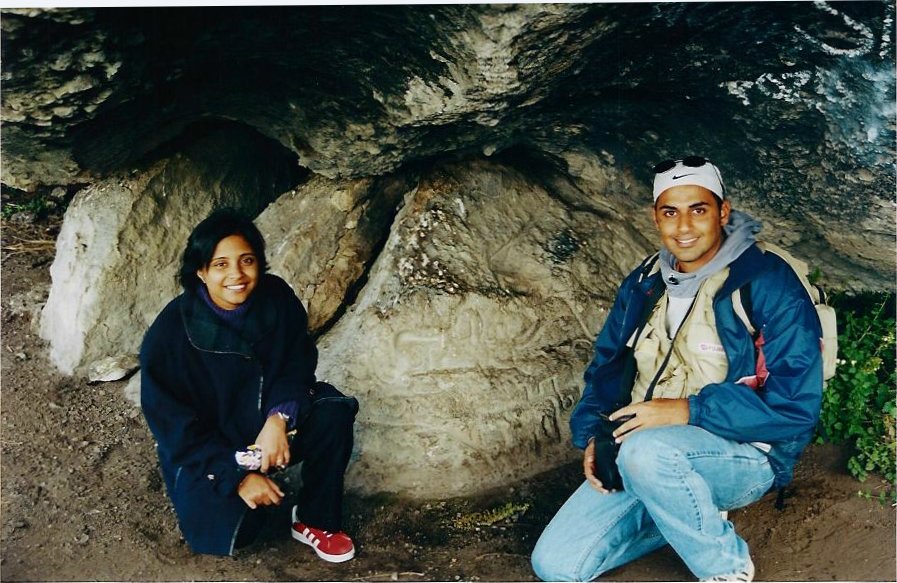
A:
[690,161]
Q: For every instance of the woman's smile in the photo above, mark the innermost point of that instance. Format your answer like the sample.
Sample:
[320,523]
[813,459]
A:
[232,274]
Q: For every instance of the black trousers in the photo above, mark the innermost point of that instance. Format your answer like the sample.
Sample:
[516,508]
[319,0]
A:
[323,443]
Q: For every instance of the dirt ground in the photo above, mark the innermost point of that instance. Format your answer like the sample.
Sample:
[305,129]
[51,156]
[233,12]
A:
[81,497]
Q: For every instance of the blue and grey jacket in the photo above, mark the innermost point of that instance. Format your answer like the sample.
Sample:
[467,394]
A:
[783,413]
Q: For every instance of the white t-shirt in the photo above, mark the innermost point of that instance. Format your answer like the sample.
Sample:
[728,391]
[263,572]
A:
[677,308]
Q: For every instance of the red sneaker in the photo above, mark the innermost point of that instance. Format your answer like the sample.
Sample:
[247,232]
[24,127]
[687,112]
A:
[334,547]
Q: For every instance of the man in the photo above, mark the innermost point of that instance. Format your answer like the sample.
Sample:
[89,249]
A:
[712,428]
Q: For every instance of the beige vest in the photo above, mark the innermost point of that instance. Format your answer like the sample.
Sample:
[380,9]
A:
[697,358]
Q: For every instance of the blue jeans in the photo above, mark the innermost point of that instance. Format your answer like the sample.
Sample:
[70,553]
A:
[677,478]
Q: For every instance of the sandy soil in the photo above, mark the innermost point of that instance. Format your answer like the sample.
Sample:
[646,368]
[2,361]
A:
[82,498]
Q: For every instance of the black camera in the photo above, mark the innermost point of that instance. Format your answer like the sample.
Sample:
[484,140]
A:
[606,450]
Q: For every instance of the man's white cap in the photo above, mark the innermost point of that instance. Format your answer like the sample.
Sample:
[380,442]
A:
[706,175]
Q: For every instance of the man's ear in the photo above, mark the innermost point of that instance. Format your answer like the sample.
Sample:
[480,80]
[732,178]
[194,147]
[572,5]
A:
[725,209]
[653,210]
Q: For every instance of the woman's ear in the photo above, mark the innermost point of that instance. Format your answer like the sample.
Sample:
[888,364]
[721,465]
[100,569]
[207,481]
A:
[199,275]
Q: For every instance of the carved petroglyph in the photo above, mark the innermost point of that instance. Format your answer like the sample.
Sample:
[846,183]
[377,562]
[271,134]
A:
[469,386]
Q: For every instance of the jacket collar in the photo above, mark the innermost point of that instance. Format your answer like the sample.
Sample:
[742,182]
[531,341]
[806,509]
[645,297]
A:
[208,332]
[745,268]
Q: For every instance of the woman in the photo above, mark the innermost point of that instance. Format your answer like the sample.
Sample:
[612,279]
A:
[228,364]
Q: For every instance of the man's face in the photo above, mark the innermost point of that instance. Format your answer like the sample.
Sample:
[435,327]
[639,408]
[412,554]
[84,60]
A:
[690,224]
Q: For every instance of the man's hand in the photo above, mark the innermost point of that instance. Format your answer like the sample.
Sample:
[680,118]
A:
[588,468]
[654,413]
[258,490]
[272,440]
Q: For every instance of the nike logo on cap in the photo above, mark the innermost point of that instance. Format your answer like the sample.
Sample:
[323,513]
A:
[682,176]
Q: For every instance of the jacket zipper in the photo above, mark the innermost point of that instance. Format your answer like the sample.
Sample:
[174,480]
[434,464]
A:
[246,356]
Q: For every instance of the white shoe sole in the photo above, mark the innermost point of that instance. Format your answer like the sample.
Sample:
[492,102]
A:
[327,557]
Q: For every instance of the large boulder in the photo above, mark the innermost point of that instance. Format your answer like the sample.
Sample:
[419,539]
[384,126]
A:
[323,235]
[467,345]
[119,249]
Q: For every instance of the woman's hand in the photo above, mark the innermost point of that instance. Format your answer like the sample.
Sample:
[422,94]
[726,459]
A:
[258,490]
[272,440]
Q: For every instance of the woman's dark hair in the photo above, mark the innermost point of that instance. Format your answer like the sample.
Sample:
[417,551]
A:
[221,224]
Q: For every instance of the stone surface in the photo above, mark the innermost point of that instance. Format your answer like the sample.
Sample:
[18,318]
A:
[795,101]
[121,242]
[28,304]
[467,345]
[112,368]
[62,75]
[322,235]
[131,390]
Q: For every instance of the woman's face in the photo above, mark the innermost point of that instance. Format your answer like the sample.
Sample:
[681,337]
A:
[232,274]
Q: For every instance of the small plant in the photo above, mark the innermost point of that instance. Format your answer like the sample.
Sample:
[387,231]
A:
[507,511]
[815,276]
[39,206]
[858,404]
[883,497]
[43,203]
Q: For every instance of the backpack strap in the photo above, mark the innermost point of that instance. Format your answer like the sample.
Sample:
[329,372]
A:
[783,494]
[648,266]
[743,305]
[800,268]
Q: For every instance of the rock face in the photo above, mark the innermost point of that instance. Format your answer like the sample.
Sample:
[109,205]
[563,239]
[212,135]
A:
[120,246]
[800,118]
[467,345]
[322,236]
[459,188]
